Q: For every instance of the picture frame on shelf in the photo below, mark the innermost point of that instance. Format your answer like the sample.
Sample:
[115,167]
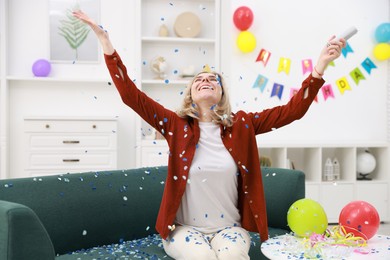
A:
[71,40]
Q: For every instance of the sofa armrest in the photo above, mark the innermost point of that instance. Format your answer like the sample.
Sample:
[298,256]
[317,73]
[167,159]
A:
[22,235]
[282,187]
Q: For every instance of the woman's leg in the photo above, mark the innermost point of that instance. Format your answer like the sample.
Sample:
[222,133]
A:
[232,243]
[185,243]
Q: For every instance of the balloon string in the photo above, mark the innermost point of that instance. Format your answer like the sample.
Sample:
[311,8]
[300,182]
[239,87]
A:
[337,236]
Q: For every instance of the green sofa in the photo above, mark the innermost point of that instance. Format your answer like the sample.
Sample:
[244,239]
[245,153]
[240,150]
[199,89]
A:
[109,214]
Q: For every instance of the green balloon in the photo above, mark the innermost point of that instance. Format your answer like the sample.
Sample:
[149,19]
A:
[305,217]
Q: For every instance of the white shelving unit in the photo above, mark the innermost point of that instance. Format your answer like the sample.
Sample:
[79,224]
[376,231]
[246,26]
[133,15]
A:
[203,49]
[334,195]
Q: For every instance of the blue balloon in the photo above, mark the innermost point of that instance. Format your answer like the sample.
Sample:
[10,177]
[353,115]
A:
[382,33]
[41,68]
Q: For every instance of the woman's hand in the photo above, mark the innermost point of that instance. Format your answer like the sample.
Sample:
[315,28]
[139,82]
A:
[329,53]
[99,31]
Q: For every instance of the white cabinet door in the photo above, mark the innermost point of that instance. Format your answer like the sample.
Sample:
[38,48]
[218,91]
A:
[334,197]
[377,194]
[312,191]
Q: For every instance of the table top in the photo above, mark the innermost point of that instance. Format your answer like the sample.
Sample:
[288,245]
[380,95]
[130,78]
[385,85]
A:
[290,247]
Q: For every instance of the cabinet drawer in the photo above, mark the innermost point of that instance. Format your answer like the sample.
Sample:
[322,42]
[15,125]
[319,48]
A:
[69,126]
[71,160]
[70,141]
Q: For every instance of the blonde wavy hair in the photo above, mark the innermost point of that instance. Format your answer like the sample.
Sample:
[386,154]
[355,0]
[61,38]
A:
[222,111]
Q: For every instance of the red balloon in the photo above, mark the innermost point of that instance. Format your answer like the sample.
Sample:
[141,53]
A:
[360,218]
[243,18]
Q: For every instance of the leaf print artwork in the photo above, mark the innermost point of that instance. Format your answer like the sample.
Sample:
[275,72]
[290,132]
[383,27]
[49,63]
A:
[74,31]
[70,38]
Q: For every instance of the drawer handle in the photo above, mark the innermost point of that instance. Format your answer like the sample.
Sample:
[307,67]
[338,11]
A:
[70,142]
[70,160]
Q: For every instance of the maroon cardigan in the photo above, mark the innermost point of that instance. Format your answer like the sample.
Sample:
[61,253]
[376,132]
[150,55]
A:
[182,135]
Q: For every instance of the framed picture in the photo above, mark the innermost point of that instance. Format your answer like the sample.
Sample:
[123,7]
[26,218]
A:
[71,40]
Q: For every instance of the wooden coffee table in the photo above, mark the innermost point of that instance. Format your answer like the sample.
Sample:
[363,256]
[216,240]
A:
[290,247]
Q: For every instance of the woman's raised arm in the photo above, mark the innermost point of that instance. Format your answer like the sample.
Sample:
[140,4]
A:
[99,31]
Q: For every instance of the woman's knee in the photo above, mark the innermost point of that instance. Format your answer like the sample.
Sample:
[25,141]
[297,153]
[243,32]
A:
[194,254]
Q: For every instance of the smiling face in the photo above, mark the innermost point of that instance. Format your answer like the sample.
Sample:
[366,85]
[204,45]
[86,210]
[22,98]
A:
[206,89]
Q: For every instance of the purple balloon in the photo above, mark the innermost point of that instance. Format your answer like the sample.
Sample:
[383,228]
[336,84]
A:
[41,68]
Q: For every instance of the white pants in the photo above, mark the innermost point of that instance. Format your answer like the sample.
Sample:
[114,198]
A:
[186,243]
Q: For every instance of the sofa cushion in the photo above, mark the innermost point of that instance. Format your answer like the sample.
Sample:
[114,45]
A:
[92,208]
[282,187]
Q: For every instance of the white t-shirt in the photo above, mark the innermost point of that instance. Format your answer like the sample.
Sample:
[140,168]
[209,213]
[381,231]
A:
[210,200]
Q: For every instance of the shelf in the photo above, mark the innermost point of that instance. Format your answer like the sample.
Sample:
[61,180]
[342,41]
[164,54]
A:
[174,40]
[52,79]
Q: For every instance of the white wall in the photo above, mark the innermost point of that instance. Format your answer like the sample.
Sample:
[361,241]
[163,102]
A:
[29,40]
[295,29]
[298,30]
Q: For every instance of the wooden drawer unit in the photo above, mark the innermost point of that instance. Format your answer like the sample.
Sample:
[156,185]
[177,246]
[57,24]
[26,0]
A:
[62,145]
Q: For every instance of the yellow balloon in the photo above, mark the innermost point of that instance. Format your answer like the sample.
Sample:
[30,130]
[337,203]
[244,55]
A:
[382,51]
[305,217]
[246,41]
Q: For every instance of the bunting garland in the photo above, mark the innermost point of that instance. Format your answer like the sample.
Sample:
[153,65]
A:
[260,83]
[368,65]
[343,85]
[307,67]
[284,65]
[263,57]
[357,75]
[277,90]
[347,49]
[327,91]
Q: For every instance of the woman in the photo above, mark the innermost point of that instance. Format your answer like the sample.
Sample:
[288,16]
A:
[214,193]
